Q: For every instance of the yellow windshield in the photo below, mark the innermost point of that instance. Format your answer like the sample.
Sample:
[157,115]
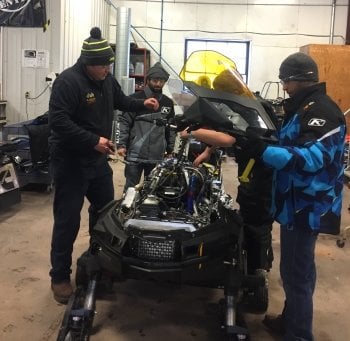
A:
[213,70]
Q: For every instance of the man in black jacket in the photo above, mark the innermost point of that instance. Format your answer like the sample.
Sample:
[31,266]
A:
[80,117]
[145,138]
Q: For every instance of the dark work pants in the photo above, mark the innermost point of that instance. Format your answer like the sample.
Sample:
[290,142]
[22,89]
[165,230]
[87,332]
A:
[298,273]
[258,244]
[73,182]
[254,200]
[133,172]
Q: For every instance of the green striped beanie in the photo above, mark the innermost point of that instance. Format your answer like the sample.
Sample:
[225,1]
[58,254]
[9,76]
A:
[96,50]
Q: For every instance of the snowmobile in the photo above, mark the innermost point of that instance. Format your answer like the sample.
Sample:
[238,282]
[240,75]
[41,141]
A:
[179,225]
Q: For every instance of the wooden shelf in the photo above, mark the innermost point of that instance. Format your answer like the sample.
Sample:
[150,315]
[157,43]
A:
[140,59]
[142,56]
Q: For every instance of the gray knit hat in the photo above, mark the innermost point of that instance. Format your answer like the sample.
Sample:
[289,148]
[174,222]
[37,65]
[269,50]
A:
[299,67]
[157,71]
[96,50]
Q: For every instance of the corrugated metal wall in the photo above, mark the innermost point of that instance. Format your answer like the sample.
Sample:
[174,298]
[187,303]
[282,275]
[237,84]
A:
[77,20]
[70,24]
[18,79]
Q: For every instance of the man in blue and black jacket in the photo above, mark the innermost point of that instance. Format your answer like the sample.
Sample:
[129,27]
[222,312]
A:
[307,186]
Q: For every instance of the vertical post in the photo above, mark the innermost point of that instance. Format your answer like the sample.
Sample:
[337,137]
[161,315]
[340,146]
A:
[161,32]
[122,46]
[347,39]
[331,34]
[122,57]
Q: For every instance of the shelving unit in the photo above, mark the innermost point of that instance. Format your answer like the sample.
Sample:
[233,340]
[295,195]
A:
[139,66]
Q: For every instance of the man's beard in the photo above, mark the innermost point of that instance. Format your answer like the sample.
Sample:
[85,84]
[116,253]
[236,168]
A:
[156,90]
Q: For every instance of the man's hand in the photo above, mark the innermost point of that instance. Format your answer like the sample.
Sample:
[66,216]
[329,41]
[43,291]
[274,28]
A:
[121,151]
[105,146]
[203,157]
[185,134]
[188,132]
[151,103]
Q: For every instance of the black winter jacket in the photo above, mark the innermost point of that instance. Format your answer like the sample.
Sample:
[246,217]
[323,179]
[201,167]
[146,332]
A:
[81,111]
[144,135]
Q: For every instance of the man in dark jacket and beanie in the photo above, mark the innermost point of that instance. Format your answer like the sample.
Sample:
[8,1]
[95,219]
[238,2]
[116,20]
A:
[307,186]
[80,117]
[145,138]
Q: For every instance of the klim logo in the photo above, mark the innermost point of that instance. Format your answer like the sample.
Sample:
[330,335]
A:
[316,122]
[165,110]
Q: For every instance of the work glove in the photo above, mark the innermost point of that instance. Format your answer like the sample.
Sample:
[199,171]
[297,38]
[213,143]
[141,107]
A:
[193,127]
[182,123]
[251,144]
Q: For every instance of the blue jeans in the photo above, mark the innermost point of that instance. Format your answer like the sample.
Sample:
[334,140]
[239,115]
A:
[298,273]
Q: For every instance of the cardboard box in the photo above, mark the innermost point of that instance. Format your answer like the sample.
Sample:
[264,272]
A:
[334,68]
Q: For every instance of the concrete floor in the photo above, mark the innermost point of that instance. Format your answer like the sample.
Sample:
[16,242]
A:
[142,310]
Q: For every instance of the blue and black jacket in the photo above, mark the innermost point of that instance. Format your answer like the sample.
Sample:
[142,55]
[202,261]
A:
[308,162]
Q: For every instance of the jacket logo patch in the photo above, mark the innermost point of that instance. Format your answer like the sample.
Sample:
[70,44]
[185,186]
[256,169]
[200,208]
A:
[90,98]
[165,110]
[316,122]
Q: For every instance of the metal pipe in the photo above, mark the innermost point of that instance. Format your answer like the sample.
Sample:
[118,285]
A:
[89,303]
[230,311]
[240,3]
[331,34]
[153,49]
[161,31]
[122,45]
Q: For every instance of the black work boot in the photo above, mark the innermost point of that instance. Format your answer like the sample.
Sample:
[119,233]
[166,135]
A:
[275,324]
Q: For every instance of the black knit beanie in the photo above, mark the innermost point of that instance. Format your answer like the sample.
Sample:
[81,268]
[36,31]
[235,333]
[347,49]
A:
[96,50]
[157,71]
[299,67]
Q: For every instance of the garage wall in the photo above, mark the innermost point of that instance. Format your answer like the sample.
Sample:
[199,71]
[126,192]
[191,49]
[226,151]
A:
[275,28]
[70,24]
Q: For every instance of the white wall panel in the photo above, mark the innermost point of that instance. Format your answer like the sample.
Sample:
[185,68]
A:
[276,28]
[341,17]
[18,79]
